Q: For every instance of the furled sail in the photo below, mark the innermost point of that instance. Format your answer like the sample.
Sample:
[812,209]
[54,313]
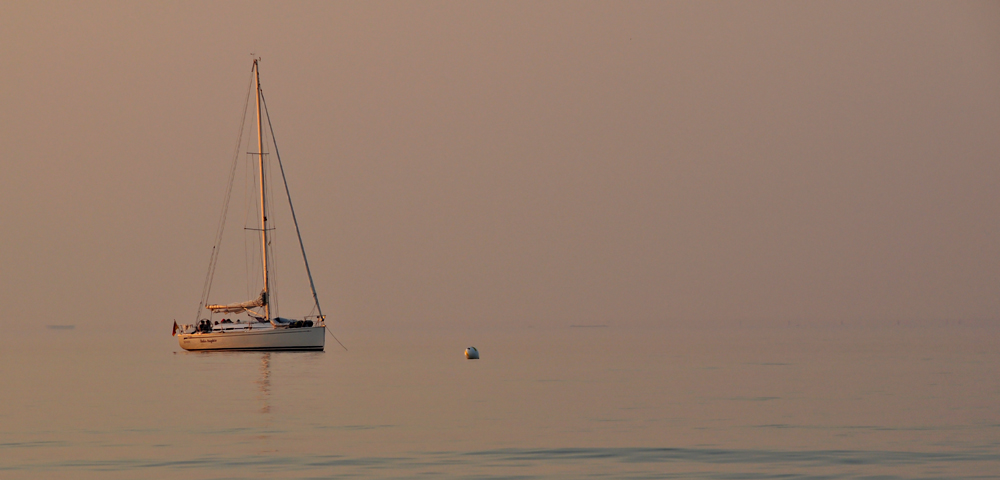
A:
[239,307]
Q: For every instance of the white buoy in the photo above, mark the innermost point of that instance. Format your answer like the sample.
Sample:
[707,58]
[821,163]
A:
[471,353]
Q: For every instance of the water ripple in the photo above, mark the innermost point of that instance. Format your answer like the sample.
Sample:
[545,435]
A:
[712,463]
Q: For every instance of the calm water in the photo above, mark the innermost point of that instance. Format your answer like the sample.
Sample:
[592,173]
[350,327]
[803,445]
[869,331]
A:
[790,402]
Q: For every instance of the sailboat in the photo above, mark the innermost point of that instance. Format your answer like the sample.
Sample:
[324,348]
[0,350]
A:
[260,328]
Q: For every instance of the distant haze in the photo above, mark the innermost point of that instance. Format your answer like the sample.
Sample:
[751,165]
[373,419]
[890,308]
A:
[513,164]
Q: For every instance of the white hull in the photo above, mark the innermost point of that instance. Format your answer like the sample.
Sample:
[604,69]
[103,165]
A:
[306,338]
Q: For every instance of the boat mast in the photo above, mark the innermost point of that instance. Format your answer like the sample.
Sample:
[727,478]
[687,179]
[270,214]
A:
[263,205]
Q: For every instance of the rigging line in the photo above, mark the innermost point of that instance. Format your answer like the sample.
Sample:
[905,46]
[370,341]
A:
[213,260]
[225,209]
[249,185]
[252,261]
[274,293]
[295,220]
[298,233]
[246,216]
[334,336]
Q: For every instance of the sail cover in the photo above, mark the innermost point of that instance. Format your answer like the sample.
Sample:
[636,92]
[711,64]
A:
[239,307]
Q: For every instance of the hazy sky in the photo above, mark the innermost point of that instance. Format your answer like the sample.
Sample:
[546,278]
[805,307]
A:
[473,164]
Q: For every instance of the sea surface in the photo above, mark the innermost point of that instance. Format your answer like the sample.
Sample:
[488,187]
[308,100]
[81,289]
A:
[789,402]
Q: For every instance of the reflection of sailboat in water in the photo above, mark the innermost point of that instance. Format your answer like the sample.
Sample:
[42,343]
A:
[262,328]
[264,383]
[263,433]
